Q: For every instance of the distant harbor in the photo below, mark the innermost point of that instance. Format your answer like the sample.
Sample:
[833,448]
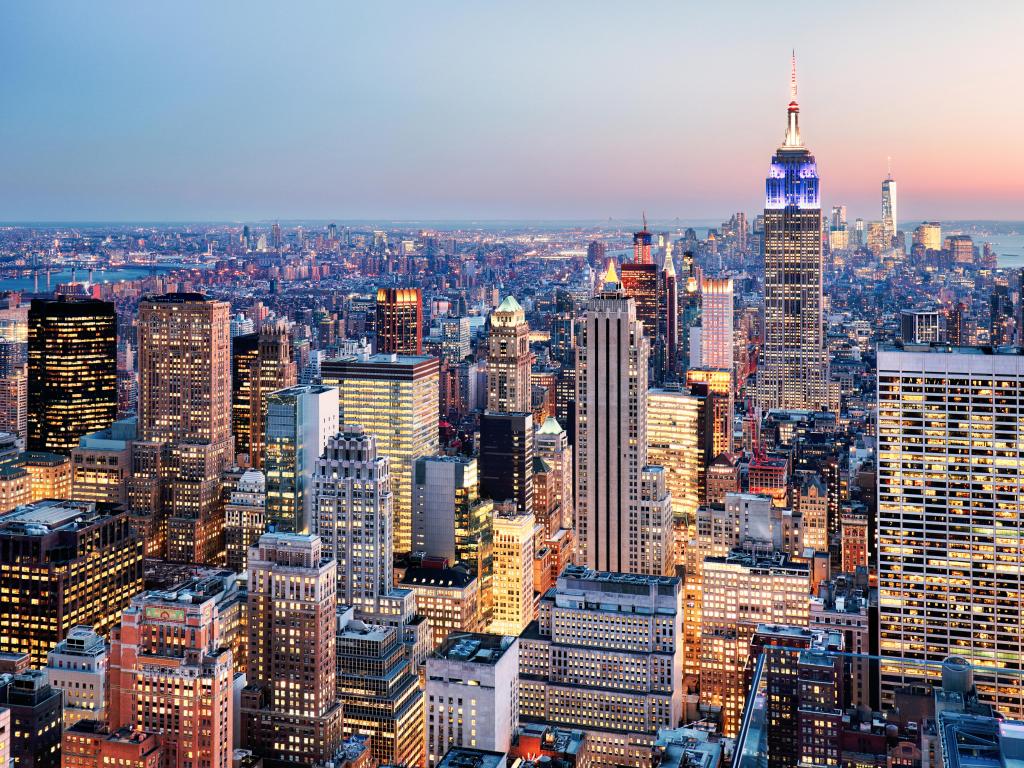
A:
[27,281]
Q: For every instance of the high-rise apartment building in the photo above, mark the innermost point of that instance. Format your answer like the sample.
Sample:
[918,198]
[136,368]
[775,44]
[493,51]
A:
[300,421]
[515,531]
[508,359]
[716,334]
[948,522]
[395,399]
[77,666]
[605,657]
[245,517]
[611,434]
[740,591]
[72,371]
[399,321]
[472,694]
[171,674]
[64,563]
[290,708]
[794,374]
[352,515]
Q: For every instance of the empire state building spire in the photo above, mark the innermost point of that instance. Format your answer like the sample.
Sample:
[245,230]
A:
[793,125]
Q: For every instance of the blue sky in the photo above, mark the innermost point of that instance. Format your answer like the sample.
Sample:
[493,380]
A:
[252,110]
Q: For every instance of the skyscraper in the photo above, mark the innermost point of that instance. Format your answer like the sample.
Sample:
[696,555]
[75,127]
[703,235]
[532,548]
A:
[184,369]
[72,371]
[395,399]
[611,433]
[352,514]
[185,405]
[290,709]
[514,534]
[270,369]
[508,359]
[14,388]
[890,222]
[716,336]
[949,528]
[795,370]
[506,458]
[399,321]
[300,421]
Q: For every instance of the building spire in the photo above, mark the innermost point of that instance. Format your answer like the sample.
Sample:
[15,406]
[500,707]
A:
[793,113]
[610,276]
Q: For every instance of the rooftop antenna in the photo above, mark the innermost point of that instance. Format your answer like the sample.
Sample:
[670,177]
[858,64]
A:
[888,165]
[792,78]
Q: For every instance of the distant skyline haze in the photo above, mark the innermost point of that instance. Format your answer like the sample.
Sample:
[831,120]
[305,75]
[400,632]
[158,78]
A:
[119,111]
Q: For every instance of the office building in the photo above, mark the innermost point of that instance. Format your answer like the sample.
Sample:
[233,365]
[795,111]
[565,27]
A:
[508,359]
[847,604]
[928,235]
[352,515]
[49,476]
[961,249]
[185,405]
[810,500]
[34,717]
[472,694]
[14,388]
[794,373]
[514,534]
[72,371]
[455,338]
[255,375]
[715,384]
[90,744]
[290,710]
[716,334]
[245,517]
[605,657]
[64,563]
[740,591]
[395,399]
[890,220]
[399,321]
[506,458]
[452,522]
[551,446]
[100,467]
[379,690]
[77,666]
[611,433]
[169,671]
[949,440]
[448,597]
[184,369]
[673,442]
[300,421]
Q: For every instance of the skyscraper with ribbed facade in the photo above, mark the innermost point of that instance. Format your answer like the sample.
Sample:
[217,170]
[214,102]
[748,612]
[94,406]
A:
[794,373]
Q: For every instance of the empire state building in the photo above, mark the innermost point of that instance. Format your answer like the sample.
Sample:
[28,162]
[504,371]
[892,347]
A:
[794,374]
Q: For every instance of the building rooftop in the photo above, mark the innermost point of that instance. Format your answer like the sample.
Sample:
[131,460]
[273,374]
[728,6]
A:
[464,757]
[476,647]
[54,514]
[420,576]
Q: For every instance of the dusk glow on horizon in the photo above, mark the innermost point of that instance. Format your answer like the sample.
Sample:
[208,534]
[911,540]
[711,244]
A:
[246,111]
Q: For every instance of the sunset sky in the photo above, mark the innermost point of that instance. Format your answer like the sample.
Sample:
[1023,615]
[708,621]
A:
[539,110]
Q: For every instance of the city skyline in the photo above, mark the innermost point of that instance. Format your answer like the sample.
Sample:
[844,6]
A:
[468,112]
